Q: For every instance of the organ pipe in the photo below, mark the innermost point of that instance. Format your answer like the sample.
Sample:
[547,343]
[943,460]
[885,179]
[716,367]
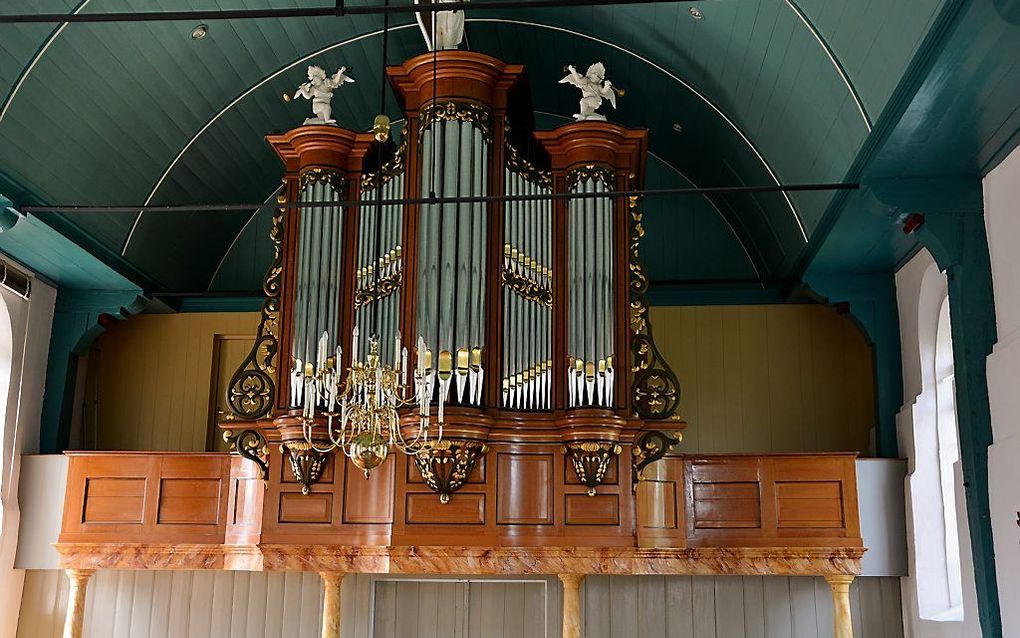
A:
[591,318]
[317,295]
[527,298]
[451,263]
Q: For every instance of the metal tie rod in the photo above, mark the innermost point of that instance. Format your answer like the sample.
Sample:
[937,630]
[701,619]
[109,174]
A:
[340,9]
[657,192]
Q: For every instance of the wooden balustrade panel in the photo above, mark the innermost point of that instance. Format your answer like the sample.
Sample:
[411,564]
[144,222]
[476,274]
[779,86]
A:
[146,497]
[519,495]
[797,500]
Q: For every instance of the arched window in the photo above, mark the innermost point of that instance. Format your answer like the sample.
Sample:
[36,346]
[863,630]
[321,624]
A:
[948,442]
[935,491]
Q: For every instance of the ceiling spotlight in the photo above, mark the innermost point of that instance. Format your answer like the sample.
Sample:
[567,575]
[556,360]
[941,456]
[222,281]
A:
[696,13]
[199,32]
[677,128]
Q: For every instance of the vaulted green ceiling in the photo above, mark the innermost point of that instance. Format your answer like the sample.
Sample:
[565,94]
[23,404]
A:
[757,92]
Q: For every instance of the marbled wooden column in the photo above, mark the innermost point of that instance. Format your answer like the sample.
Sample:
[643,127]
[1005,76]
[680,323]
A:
[75,617]
[571,605]
[840,585]
[331,582]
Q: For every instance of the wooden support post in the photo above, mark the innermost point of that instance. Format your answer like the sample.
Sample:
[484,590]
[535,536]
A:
[840,585]
[571,605]
[331,582]
[75,617]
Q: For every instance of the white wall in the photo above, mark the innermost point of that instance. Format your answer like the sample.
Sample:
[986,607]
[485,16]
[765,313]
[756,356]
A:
[1002,222]
[30,330]
[920,291]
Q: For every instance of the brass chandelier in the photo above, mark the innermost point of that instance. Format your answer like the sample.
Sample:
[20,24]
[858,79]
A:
[362,407]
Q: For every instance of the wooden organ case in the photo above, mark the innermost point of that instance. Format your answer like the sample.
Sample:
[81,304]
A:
[535,305]
[531,301]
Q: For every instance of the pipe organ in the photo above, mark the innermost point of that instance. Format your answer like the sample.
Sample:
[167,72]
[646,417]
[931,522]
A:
[502,264]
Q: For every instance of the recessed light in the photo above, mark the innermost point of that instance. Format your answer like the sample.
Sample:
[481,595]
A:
[677,127]
[696,13]
[199,32]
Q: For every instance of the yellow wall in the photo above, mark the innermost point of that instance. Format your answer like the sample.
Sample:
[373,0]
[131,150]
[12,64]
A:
[784,378]
[157,379]
[754,378]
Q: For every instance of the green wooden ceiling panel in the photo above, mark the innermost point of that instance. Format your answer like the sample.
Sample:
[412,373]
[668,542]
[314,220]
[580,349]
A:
[129,112]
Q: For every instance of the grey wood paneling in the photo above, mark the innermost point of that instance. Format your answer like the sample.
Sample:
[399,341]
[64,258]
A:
[161,604]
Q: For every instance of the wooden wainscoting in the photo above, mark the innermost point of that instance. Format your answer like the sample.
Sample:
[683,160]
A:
[146,497]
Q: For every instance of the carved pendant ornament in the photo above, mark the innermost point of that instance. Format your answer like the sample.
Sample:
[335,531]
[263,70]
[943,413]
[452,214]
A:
[591,461]
[306,463]
[445,466]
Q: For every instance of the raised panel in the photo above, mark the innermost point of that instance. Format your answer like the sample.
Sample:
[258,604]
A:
[316,507]
[727,505]
[369,500]
[524,485]
[114,500]
[192,501]
[462,509]
[809,504]
[600,509]
[247,504]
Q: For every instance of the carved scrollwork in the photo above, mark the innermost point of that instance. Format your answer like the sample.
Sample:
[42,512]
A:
[456,111]
[393,167]
[648,448]
[655,390]
[252,389]
[305,463]
[591,461]
[320,174]
[604,174]
[251,445]
[375,291]
[528,288]
[518,164]
[446,465]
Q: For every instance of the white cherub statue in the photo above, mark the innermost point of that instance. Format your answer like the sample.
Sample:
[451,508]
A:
[449,29]
[594,88]
[319,89]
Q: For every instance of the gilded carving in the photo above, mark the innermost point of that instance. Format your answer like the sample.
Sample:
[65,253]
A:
[590,460]
[655,390]
[252,389]
[305,463]
[516,163]
[527,288]
[325,175]
[604,174]
[457,112]
[391,168]
[648,448]
[447,464]
[251,445]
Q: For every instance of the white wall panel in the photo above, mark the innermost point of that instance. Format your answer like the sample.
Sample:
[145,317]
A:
[159,604]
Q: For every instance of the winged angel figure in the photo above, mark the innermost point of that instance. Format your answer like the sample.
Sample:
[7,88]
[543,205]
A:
[594,88]
[319,89]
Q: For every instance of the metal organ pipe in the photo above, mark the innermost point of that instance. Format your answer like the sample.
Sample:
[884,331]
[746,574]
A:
[378,306]
[590,373]
[317,284]
[451,257]
[527,295]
